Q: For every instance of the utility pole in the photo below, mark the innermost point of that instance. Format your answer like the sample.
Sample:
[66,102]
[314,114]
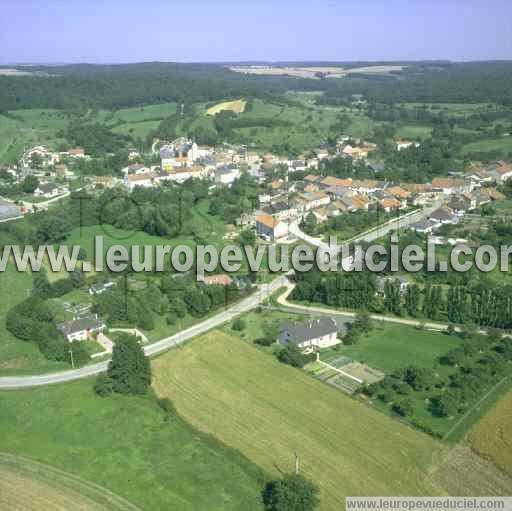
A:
[296,463]
[72,359]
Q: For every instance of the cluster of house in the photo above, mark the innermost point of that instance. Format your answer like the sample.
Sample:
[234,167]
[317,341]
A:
[327,196]
[48,158]
[356,149]
[324,197]
[462,195]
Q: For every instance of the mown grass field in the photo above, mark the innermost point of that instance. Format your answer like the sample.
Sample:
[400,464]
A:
[128,446]
[268,411]
[491,437]
[393,346]
[32,486]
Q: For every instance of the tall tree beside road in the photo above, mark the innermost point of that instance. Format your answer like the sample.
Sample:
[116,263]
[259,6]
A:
[129,371]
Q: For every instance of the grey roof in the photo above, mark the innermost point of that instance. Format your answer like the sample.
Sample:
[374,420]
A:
[166,153]
[313,329]
[79,325]
[225,170]
[458,203]
[47,187]
[275,208]
[376,166]
[423,225]
[442,214]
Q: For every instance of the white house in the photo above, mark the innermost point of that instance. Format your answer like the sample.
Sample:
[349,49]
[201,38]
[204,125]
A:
[81,329]
[312,335]
[98,289]
[47,190]
[271,228]
[226,175]
[404,144]
[146,180]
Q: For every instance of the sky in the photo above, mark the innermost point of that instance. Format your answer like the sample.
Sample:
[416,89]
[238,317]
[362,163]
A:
[115,31]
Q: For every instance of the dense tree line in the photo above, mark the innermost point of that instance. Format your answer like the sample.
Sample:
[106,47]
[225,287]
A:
[472,82]
[241,197]
[116,86]
[96,139]
[33,320]
[350,290]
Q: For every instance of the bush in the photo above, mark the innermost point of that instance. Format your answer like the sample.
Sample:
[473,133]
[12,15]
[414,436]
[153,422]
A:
[264,341]
[292,493]
[403,407]
[351,337]
[291,355]
[80,354]
[239,325]
[167,406]
[104,386]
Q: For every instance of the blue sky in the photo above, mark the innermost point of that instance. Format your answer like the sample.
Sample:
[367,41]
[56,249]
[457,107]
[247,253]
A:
[226,30]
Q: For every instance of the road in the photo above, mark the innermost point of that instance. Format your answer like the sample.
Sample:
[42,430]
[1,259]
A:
[348,316]
[372,234]
[264,291]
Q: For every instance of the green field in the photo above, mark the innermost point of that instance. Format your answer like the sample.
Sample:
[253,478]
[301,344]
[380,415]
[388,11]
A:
[414,132]
[22,129]
[144,113]
[127,445]
[259,323]
[17,356]
[395,346]
[137,129]
[31,486]
[309,124]
[503,144]
[457,109]
[25,128]
[268,411]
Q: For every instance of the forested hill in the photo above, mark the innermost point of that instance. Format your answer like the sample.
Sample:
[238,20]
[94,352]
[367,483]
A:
[471,82]
[125,85]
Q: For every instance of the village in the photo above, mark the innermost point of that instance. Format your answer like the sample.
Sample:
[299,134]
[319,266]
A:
[292,191]
[301,190]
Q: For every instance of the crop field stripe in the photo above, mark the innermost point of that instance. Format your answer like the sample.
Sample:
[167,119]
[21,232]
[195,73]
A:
[491,437]
[492,393]
[100,498]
